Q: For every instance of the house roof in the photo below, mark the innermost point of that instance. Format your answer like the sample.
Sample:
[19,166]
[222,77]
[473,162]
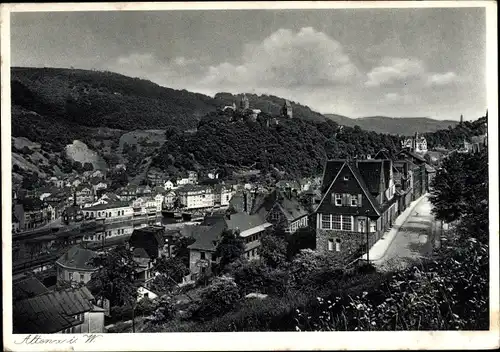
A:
[206,236]
[52,311]
[244,221]
[111,196]
[412,155]
[371,171]
[146,236]
[77,257]
[375,206]
[28,287]
[110,205]
[32,204]
[290,206]
[332,167]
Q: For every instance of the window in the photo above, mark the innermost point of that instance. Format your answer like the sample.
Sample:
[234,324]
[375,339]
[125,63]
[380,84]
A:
[336,222]
[337,245]
[354,200]
[82,277]
[330,244]
[338,199]
[202,255]
[70,276]
[326,220]
[373,226]
[214,257]
[347,223]
[146,295]
[275,216]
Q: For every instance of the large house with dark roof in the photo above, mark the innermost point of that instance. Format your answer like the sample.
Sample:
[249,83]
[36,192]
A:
[280,207]
[358,199]
[74,266]
[64,312]
[208,234]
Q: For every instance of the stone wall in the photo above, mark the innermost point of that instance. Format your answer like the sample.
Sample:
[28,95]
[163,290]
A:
[350,242]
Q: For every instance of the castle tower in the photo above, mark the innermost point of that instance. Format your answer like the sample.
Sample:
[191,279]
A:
[244,102]
[287,109]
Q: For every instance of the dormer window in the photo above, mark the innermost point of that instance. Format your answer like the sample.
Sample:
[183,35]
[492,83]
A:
[354,200]
[338,199]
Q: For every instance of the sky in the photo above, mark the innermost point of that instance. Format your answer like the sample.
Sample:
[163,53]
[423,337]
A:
[352,62]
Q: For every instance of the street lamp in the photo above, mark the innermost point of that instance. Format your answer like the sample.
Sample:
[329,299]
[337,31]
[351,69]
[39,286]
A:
[367,238]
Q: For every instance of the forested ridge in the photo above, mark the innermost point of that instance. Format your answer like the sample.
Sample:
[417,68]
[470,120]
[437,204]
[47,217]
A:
[298,147]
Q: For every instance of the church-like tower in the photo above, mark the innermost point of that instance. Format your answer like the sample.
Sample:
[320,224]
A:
[287,109]
[244,102]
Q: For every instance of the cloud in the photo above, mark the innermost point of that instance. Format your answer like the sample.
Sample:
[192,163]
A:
[441,79]
[394,70]
[406,98]
[287,59]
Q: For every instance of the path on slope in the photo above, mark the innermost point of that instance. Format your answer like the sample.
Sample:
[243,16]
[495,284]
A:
[416,239]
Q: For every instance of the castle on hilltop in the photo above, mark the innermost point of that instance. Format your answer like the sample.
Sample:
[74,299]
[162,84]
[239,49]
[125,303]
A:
[243,111]
[417,144]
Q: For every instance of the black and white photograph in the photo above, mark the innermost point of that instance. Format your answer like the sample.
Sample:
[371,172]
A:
[256,168]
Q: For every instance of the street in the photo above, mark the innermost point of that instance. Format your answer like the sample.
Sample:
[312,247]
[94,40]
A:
[416,238]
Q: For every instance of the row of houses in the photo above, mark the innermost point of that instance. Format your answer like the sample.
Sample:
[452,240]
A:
[362,198]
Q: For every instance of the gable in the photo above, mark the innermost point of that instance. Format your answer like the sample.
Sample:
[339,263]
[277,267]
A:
[332,167]
[348,182]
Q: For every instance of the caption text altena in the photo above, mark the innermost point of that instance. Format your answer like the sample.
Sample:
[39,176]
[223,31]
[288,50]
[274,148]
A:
[38,339]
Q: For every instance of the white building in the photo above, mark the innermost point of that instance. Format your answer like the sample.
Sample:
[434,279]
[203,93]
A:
[110,212]
[169,185]
[196,196]
[145,206]
[225,195]
[169,198]
[417,144]
[159,201]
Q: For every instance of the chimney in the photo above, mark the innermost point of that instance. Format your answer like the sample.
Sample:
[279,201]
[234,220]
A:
[245,202]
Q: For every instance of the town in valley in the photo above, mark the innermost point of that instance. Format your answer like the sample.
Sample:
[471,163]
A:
[140,208]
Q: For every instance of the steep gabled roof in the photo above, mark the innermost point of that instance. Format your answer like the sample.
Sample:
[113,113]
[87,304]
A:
[364,188]
[332,168]
[371,172]
[361,182]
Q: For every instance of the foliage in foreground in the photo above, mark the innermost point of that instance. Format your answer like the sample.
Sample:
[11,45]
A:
[450,293]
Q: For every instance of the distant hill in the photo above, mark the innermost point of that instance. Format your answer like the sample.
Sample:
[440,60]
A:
[55,106]
[73,99]
[405,126]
